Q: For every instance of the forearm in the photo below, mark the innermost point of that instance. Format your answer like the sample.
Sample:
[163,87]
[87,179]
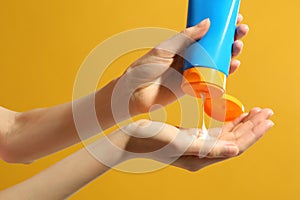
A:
[40,132]
[59,181]
[67,176]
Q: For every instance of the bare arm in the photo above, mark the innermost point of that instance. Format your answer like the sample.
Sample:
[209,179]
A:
[69,175]
[59,181]
[25,137]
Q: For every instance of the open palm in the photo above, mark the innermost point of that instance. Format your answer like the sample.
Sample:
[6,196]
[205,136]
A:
[236,137]
[185,148]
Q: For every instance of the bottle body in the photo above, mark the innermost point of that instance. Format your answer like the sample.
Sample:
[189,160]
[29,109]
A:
[208,61]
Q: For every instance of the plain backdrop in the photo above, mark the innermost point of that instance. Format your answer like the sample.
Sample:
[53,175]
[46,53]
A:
[43,44]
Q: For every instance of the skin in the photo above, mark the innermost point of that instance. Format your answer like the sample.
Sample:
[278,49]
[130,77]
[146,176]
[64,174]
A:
[49,130]
[235,139]
[57,125]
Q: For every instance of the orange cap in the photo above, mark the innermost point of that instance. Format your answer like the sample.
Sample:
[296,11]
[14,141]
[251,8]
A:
[227,108]
[199,81]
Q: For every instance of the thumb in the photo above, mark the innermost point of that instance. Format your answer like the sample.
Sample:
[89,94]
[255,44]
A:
[178,43]
[198,31]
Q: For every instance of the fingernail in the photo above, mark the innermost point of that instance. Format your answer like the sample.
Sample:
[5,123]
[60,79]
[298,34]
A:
[247,28]
[257,109]
[204,22]
[238,62]
[239,43]
[245,114]
[270,113]
[244,29]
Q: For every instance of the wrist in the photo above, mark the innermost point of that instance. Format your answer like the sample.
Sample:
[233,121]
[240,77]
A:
[7,123]
[119,142]
[114,103]
[110,150]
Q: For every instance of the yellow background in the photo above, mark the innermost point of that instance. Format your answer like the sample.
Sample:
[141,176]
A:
[43,44]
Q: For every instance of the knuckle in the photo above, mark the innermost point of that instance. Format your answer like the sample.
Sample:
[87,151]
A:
[155,51]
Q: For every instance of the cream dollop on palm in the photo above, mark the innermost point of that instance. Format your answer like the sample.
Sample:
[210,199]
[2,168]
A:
[185,149]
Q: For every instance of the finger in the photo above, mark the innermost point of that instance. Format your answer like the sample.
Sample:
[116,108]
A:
[252,122]
[241,31]
[262,128]
[257,114]
[228,127]
[240,18]
[253,134]
[252,113]
[198,31]
[212,148]
[234,66]
[178,43]
[237,48]
[223,149]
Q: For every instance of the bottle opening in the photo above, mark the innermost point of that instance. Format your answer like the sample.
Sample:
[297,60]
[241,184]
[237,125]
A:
[199,81]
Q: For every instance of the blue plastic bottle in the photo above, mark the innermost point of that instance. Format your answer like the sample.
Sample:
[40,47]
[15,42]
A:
[208,60]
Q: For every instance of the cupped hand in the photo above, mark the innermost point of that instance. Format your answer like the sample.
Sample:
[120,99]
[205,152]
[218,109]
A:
[155,75]
[236,138]
[184,147]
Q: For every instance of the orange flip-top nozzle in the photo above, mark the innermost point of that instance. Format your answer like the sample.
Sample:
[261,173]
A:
[223,109]
[199,81]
